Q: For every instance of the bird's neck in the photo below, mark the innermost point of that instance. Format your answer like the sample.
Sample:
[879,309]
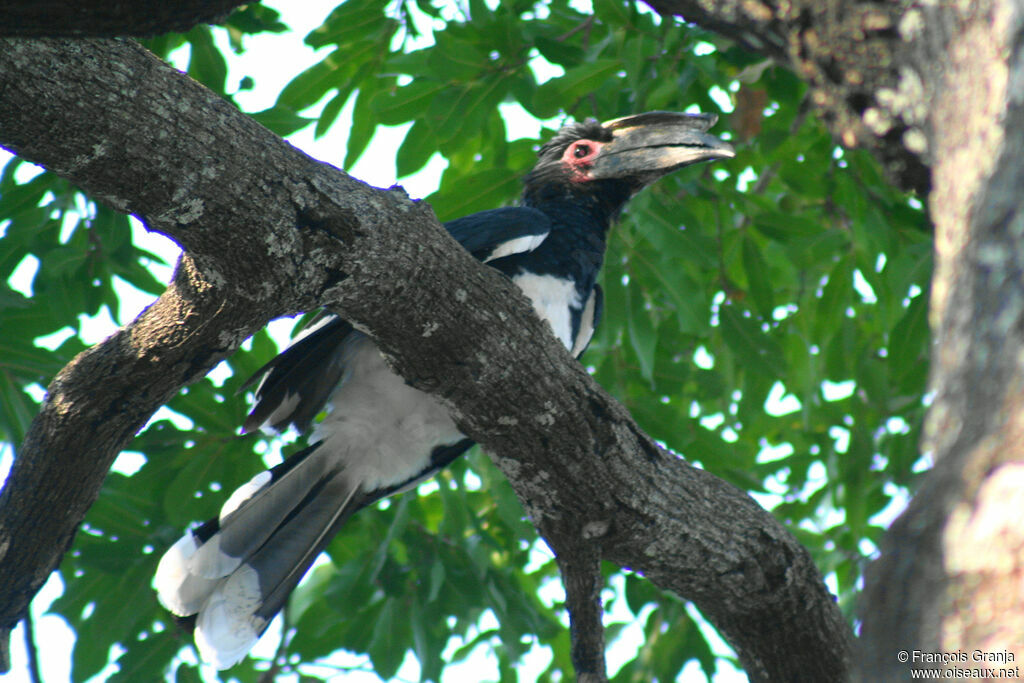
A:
[591,207]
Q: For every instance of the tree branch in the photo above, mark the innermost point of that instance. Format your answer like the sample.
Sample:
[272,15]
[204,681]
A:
[93,408]
[30,649]
[108,19]
[313,236]
[581,575]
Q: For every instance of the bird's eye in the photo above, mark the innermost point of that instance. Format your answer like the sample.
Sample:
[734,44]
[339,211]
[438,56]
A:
[581,151]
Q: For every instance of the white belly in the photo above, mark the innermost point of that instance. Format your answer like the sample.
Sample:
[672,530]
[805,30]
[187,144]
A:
[552,298]
[386,428]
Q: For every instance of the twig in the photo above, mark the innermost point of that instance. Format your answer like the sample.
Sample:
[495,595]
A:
[768,174]
[584,25]
[5,650]
[30,648]
[581,574]
[281,654]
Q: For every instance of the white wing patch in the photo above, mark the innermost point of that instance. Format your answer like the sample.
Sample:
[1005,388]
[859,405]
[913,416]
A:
[310,329]
[517,246]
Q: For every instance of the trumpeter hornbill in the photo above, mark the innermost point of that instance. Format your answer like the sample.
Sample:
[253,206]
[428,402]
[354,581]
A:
[381,436]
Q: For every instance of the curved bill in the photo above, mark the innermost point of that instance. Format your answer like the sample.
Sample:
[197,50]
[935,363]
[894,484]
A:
[652,144]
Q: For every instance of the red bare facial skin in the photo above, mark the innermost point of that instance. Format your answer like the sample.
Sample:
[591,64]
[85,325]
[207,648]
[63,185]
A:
[579,158]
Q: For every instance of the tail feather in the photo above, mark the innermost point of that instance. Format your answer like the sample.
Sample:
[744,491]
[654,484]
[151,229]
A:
[257,509]
[301,541]
[235,572]
[227,626]
[179,590]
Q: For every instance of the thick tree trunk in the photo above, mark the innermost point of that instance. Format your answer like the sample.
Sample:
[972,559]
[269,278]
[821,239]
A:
[849,54]
[935,85]
[268,232]
[963,590]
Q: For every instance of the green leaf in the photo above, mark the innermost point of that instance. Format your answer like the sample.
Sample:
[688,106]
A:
[484,190]
[437,575]
[311,85]
[352,22]
[330,113]
[206,64]
[758,280]
[561,92]
[310,591]
[281,119]
[113,620]
[186,674]
[63,260]
[612,12]
[20,198]
[457,59]
[834,301]
[137,275]
[464,115]
[642,335]
[256,18]
[10,298]
[390,640]
[668,649]
[147,659]
[27,360]
[408,102]
[908,347]
[640,592]
[16,409]
[754,350]
[801,177]
[417,148]
[363,126]
[559,51]
[785,228]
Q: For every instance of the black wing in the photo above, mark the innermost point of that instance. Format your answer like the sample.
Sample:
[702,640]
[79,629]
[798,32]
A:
[500,232]
[298,382]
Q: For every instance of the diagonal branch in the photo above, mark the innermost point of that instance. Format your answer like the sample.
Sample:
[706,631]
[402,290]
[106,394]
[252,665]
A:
[102,18]
[267,232]
[93,408]
[580,567]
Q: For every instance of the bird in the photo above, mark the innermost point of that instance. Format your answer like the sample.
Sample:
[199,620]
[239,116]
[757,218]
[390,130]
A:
[379,436]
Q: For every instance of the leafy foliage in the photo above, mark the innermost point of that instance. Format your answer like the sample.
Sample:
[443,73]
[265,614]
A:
[764,317]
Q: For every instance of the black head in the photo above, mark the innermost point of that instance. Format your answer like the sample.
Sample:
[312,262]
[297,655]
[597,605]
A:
[631,152]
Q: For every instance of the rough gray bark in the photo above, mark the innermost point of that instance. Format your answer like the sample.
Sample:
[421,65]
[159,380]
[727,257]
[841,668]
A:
[580,568]
[935,86]
[143,138]
[963,528]
[108,18]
